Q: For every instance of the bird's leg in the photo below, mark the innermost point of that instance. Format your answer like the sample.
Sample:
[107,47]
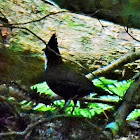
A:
[65,105]
[67,102]
[75,101]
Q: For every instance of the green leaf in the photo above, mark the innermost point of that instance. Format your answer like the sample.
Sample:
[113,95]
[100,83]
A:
[59,103]
[119,88]
[113,86]
[27,105]
[110,98]
[43,88]
[133,115]
[114,127]
[43,108]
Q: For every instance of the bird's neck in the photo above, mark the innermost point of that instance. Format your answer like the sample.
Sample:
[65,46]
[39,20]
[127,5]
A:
[54,62]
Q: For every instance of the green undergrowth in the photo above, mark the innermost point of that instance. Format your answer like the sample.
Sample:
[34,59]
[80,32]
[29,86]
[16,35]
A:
[117,90]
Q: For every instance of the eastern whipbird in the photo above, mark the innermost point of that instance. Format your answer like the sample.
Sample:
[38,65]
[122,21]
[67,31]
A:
[62,78]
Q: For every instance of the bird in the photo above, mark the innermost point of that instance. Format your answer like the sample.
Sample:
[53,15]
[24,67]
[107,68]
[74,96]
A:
[62,78]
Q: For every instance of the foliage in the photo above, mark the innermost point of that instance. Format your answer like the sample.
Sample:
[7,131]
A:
[90,109]
[133,115]
[113,86]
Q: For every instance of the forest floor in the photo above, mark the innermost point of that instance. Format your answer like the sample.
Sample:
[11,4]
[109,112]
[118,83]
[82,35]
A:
[91,42]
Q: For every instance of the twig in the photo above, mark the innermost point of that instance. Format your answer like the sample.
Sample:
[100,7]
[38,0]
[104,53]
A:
[97,100]
[37,20]
[127,58]
[126,29]
[4,20]
[7,24]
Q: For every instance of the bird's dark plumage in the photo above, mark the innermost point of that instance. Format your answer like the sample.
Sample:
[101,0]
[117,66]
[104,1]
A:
[63,79]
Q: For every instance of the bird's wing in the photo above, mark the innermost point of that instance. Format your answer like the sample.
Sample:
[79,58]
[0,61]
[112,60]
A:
[74,79]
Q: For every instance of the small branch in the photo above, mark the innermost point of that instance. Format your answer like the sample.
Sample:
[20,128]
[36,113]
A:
[127,58]
[37,20]
[97,100]
[126,29]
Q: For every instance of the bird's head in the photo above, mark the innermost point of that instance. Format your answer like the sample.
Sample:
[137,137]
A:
[51,49]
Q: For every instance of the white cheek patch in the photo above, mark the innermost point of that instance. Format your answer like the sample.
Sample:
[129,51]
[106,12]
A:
[45,65]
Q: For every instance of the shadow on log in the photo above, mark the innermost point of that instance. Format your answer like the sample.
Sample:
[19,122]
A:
[26,67]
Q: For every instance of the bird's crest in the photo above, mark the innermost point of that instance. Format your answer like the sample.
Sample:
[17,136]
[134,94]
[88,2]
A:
[52,53]
[53,44]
